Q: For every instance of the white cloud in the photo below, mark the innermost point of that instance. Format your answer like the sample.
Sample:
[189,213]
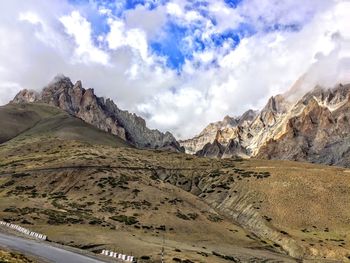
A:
[116,35]
[225,16]
[260,66]
[79,28]
[30,17]
[104,11]
[134,38]
[177,9]
[174,9]
[7,91]
[152,20]
[262,13]
[169,109]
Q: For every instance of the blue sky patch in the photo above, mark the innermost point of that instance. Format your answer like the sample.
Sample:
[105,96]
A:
[219,39]
[171,45]
[232,3]
[151,4]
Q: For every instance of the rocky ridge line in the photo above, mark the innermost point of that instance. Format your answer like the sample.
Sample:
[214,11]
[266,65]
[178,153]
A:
[315,128]
[103,114]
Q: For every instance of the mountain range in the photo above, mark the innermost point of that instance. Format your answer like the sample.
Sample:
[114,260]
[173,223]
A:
[313,128]
[103,114]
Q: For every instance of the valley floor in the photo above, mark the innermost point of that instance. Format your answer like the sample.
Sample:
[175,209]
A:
[96,197]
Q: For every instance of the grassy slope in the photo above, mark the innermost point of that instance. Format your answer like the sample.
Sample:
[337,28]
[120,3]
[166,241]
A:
[15,121]
[40,119]
[129,199]
[71,204]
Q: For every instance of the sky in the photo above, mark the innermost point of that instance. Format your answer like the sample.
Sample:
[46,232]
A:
[179,64]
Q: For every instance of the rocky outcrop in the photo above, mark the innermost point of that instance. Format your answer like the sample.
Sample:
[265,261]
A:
[208,135]
[25,96]
[213,150]
[314,128]
[103,114]
[234,148]
[218,150]
[222,131]
[249,132]
[319,133]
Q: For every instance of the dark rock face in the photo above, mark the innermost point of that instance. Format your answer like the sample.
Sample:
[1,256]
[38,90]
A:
[217,150]
[234,148]
[213,150]
[103,114]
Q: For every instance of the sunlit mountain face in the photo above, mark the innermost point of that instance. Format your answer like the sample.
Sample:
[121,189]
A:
[178,64]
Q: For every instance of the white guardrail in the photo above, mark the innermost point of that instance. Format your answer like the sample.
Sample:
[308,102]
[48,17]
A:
[23,230]
[43,237]
[117,255]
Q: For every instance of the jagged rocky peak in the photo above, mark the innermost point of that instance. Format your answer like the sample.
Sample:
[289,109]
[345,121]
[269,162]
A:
[212,150]
[277,104]
[218,150]
[313,127]
[229,121]
[234,148]
[275,107]
[104,114]
[26,96]
[247,117]
[221,131]
[214,126]
[331,97]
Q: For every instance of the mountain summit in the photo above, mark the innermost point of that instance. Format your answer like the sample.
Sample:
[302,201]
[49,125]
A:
[101,113]
[314,128]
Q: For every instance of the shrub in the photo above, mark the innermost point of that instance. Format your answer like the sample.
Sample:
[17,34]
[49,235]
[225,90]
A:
[19,175]
[127,220]
[214,218]
[182,216]
[95,221]
[7,184]
[215,173]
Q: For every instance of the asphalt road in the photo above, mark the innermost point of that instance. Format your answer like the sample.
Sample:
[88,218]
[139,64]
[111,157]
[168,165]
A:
[43,250]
